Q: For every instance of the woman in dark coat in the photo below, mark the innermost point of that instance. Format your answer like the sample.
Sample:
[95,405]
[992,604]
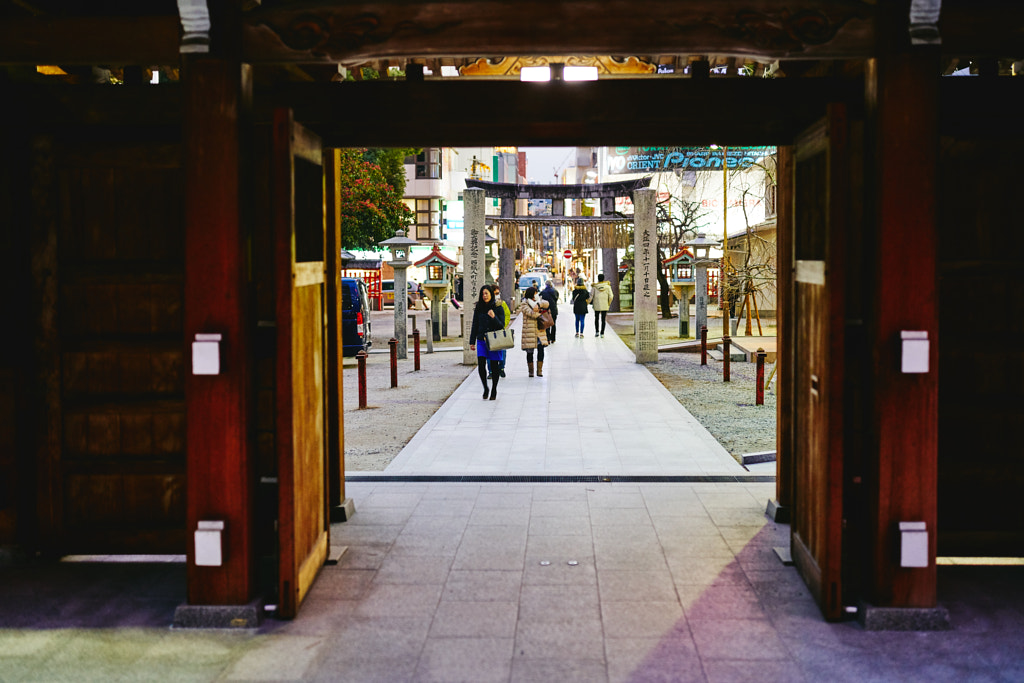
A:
[580,299]
[486,318]
[550,294]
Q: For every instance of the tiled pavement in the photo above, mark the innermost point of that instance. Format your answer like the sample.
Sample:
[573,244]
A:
[441,581]
[473,582]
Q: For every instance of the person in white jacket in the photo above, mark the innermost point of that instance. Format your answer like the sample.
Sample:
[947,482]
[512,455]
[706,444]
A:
[601,300]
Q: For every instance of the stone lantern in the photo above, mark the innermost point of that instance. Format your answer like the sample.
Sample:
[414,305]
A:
[682,279]
[439,269]
[399,246]
[701,247]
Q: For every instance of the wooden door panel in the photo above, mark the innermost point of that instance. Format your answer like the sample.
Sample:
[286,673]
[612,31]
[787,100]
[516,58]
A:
[810,528]
[114,468]
[298,217]
[309,485]
[820,220]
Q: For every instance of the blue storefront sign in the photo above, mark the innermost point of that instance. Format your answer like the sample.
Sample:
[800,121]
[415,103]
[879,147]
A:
[655,159]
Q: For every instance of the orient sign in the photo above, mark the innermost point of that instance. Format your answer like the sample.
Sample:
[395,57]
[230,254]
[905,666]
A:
[653,159]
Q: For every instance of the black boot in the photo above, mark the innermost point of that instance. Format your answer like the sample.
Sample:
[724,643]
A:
[481,369]
[496,375]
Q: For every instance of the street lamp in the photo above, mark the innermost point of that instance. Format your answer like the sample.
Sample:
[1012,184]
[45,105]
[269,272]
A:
[399,246]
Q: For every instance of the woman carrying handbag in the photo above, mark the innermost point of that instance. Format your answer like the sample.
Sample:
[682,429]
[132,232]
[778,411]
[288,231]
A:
[486,318]
[533,337]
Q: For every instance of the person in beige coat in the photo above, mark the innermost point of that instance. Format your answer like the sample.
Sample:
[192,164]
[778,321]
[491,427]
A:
[601,299]
[531,338]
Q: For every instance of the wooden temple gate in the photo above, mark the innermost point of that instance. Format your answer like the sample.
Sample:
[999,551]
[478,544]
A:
[136,217]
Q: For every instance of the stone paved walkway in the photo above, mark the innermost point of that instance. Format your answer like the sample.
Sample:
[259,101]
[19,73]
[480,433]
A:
[512,582]
[595,412]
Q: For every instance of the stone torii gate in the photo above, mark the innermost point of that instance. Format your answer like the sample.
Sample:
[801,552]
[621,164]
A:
[606,192]
[610,232]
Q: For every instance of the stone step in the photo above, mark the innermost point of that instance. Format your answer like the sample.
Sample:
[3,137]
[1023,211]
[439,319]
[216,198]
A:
[736,355]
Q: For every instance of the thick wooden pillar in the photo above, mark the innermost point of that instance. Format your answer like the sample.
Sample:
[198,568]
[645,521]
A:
[779,509]
[220,467]
[341,508]
[902,459]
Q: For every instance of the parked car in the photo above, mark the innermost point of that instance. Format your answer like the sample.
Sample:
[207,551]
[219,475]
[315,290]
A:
[413,295]
[355,316]
[532,279]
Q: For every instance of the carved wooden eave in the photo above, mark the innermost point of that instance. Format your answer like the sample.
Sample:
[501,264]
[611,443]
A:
[397,31]
[355,32]
[510,67]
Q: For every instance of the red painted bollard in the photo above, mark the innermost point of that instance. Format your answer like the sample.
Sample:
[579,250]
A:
[760,377]
[703,344]
[416,348]
[361,359]
[726,357]
[393,343]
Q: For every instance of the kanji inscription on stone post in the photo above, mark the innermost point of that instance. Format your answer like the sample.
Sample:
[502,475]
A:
[645,264]
[473,264]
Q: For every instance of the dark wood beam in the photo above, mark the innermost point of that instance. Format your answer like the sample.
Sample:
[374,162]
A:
[356,31]
[681,111]
[734,111]
[110,41]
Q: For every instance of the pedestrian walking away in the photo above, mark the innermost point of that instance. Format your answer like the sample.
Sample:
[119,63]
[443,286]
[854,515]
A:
[580,299]
[601,298]
[550,294]
[531,337]
[487,317]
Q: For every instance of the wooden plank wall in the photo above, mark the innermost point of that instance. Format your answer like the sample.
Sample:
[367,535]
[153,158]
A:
[113,473]
[981,357]
[15,490]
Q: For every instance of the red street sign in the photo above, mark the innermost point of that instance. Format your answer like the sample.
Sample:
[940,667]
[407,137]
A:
[567,253]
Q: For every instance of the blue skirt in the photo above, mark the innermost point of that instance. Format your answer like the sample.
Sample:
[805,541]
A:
[481,350]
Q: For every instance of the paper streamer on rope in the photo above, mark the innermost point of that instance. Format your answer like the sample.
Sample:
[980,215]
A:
[584,232]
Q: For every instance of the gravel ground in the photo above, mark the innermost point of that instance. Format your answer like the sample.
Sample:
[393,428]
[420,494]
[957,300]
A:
[375,435]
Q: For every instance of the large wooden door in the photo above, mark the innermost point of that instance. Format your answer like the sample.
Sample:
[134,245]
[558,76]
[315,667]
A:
[298,223]
[108,266]
[820,211]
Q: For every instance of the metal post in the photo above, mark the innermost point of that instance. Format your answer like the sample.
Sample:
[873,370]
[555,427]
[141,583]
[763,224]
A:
[416,348]
[393,343]
[361,358]
[727,357]
[703,344]
[760,377]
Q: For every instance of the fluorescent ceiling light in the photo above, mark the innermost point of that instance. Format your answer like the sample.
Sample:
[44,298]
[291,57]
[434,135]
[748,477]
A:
[580,73]
[535,73]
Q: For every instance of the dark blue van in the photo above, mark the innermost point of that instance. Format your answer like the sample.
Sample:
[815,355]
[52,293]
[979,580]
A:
[355,318]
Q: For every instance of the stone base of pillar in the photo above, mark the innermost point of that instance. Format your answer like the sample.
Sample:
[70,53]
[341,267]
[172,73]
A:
[903,618]
[343,512]
[778,513]
[219,616]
